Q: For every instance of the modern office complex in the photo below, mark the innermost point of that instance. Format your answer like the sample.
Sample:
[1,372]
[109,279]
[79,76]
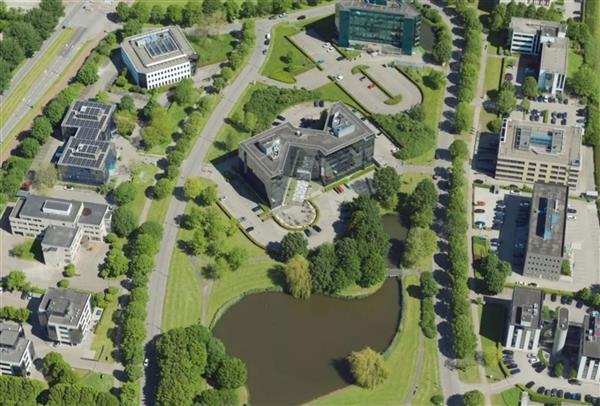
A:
[392,26]
[589,349]
[547,222]
[525,322]
[65,315]
[62,223]
[528,35]
[532,152]
[159,57]
[16,352]
[553,66]
[288,158]
[89,154]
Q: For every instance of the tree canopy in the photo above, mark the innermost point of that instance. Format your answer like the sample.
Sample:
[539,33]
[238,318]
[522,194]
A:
[293,243]
[368,368]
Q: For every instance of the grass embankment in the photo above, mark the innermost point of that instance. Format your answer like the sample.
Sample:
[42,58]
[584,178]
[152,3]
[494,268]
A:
[95,380]
[184,297]
[510,397]
[103,343]
[432,101]
[574,62]
[491,84]
[16,96]
[490,334]
[285,60]
[212,49]
[400,359]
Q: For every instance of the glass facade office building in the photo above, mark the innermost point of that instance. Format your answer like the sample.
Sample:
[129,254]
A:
[393,25]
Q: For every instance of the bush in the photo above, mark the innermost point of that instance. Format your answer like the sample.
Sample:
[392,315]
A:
[413,137]
[125,193]
[63,283]
[69,271]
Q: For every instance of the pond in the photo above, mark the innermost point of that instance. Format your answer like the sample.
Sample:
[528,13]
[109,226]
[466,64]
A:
[392,224]
[295,349]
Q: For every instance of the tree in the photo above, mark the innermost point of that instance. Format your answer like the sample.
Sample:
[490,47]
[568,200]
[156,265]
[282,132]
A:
[297,276]
[125,193]
[459,150]
[248,9]
[143,244]
[185,92]
[57,370]
[437,400]
[125,122]
[123,221]
[464,340]
[63,283]
[29,148]
[208,195]
[116,264]
[55,110]
[127,104]
[232,10]
[231,374]
[529,87]
[26,35]
[462,118]
[323,270]
[420,244]
[435,79]
[69,271]
[140,11]
[11,51]
[41,129]
[191,13]
[506,101]
[525,105]
[421,203]
[5,74]
[174,14]
[16,280]
[386,183]
[292,244]
[565,267]
[163,188]
[88,74]
[131,27]
[236,257]
[192,187]
[368,368]
[495,273]
[585,82]
[374,270]
[442,50]
[429,287]
[122,10]
[281,6]
[348,259]
[473,398]
[102,97]
[157,13]
[211,6]
[219,83]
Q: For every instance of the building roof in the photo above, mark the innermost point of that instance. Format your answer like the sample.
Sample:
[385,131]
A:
[13,343]
[383,6]
[270,148]
[555,55]
[531,26]
[158,49]
[547,219]
[526,307]
[563,318]
[57,236]
[93,213]
[590,337]
[67,211]
[63,306]
[552,144]
[88,118]
[85,153]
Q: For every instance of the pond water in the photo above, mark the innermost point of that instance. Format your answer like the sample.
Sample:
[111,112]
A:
[295,349]
[392,224]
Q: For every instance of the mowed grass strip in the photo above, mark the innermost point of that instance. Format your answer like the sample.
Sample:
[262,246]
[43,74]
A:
[277,66]
[103,344]
[401,360]
[212,49]
[429,381]
[16,96]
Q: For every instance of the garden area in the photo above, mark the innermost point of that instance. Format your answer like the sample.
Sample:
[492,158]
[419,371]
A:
[212,49]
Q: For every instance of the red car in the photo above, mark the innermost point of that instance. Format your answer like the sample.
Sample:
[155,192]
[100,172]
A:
[508,77]
[371,86]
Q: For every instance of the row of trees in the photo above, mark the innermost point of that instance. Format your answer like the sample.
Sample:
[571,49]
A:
[442,50]
[469,65]
[494,272]
[20,315]
[236,58]
[429,289]
[464,340]
[189,356]
[359,257]
[589,297]
[24,33]
[17,391]
[409,131]
[421,239]
[502,14]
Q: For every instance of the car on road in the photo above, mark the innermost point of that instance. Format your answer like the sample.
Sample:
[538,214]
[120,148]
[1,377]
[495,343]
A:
[302,17]
[478,211]
[256,209]
[249,229]
[146,362]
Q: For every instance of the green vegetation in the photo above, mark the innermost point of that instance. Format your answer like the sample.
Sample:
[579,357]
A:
[18,391]
[285,60]
[493,76]
[490,334]
[95,380]
[103,343]
[429,381]
[574,62]
[481,247]
[349,54]
[30,250]
[400,359]
[212,49]
[333,91]
[142,178]
[511,397]
[368,368]
[442,49]
[163,123]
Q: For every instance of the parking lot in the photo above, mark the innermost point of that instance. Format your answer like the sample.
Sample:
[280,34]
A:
[558,112]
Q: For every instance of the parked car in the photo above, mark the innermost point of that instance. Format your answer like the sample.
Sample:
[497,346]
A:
[371,86]
[509,352]
[515,371]
[249,229]
[302,17]
[553,297]
[530,384]
[559,393]
[512,366]
[478,211]
[317,228]
[541,390]
[571,210]
[480,224]
[479,203]
[256,208]
[307,232]
[146,362]
[478,181]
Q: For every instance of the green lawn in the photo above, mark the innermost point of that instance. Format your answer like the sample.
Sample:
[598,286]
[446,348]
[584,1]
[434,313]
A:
[212,49]
[158,210]
[574,62]
[142,179]
[470,374]
[335,92]
[400,359]
[103,343]
[429,382]
[490,334]
[510,397]
[10,104]
[98,381]
[284,60]
[493,73]
[481,247]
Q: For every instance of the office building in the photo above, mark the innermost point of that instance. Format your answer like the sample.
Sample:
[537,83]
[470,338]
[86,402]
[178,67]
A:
[16,352]
[65,315]
[553,66]
[60,245]
[525,319]
[532,152]
[560,331]
[392,26]
[286,158]
[589,349]
[89,154]
[527,35]
[159,57]
[546,238]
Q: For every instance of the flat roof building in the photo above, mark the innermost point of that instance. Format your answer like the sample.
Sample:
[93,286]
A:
[65,314]
[589,349]
[60,245]
[525,319]
[392,26]
[546,238]
[159,57]
[89,155]
[527,35]
[553,66]
[286,156]
[532,152]
[16,352]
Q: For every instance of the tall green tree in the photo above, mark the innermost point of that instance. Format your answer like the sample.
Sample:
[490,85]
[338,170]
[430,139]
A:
[386,183]
[292,244]
[529,87]
[368,368]
[298,278]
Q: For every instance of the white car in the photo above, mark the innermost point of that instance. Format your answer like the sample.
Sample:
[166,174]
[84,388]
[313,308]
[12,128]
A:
[571,217]
[340,77]
[394,150]
[146,362]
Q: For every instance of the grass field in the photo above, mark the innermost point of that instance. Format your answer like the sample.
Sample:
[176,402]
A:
[493,73]
[143,178]
[158,210]
[490,334]
[408,181]
[98,381]
[335,92]
[469,374]
[284,60]
[212,49]
[510,397]
[574,62]
[429,382]
[12,101]
[481,247]
[103,343]
[400,359]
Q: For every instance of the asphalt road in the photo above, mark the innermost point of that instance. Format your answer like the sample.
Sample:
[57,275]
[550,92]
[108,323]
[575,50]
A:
[88,23]
[192,167]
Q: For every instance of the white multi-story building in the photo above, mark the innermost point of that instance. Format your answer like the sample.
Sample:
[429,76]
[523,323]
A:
[553,66]
[528,35]
[16,352]
[159,57]
[525,323]
[589,349]
[60,245]
[65,315]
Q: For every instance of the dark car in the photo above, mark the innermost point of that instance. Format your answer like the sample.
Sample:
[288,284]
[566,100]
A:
[280,117]
[249,229]
[567,395]
[530,384]
[574,382]
[515,371]
[559,393]
[509,352]
[339,58]
[302,17]
[307,232]
[553,392]
[478,181]
[541,390]
[553,297]
[563,300]
[256,208]
[588,398]
[317,228]
[579,304]
[512,366]
[569,300]
[479,211]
